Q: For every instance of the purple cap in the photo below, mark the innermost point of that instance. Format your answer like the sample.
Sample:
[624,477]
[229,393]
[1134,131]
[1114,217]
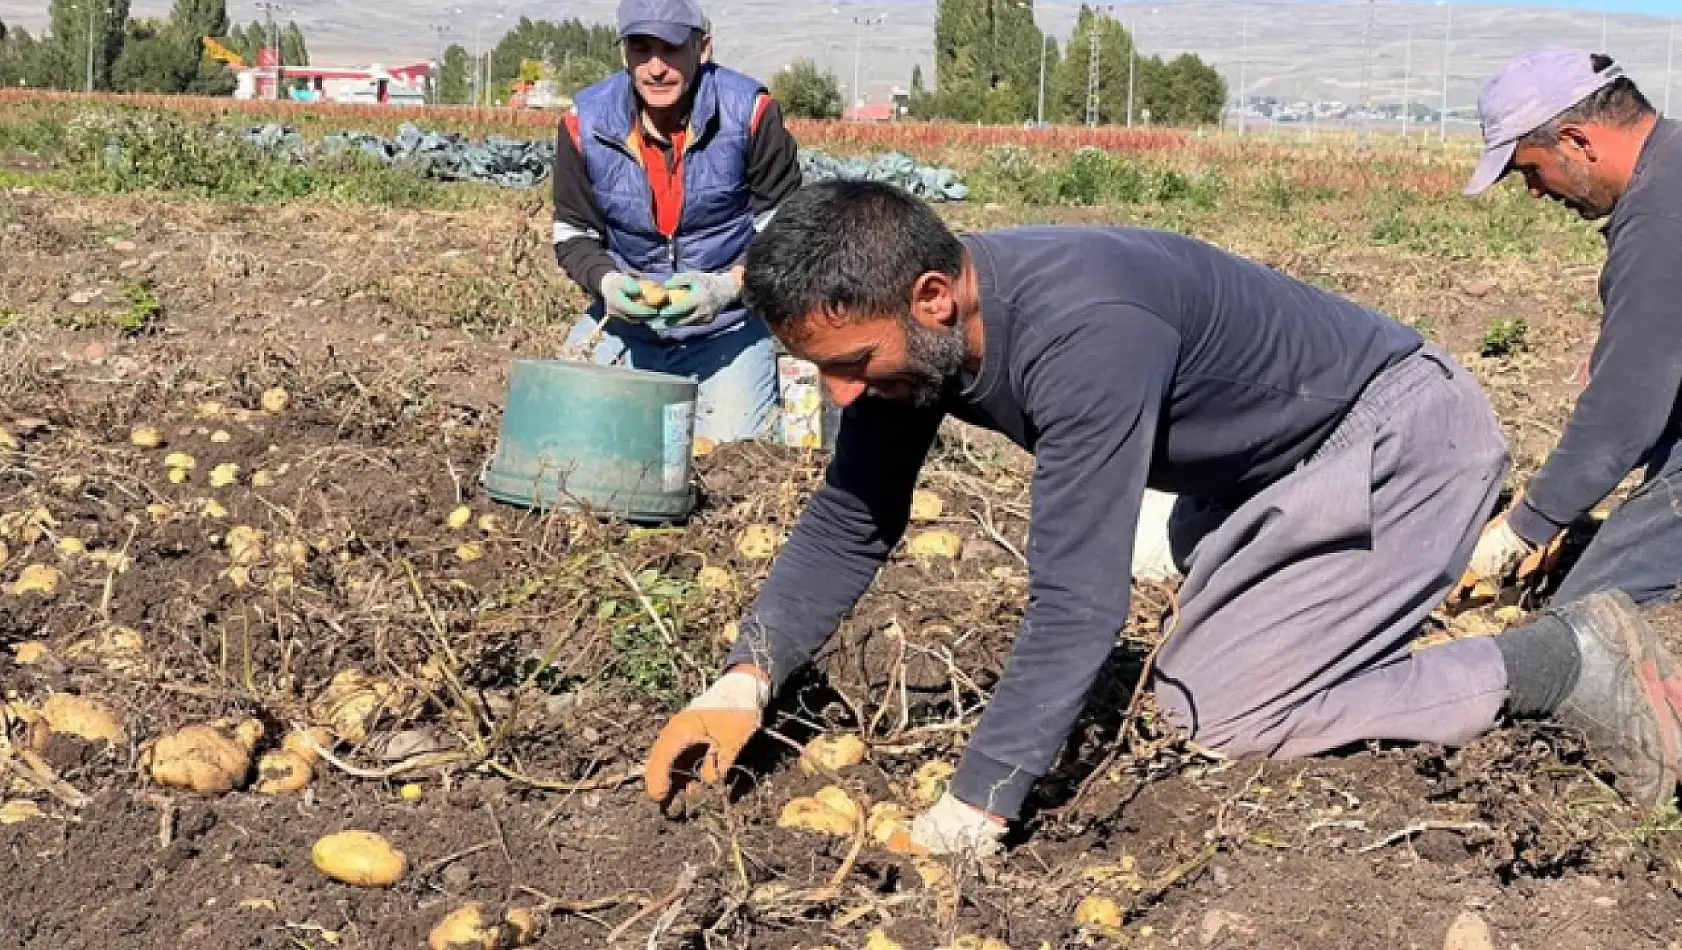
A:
[670,20]
[1531,89]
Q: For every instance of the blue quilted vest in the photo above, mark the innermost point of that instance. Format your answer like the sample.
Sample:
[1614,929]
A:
[716,225]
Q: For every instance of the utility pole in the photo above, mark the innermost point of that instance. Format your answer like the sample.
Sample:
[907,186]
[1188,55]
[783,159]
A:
[1603,26]
[1039,111]
[1448,42]
[1243,67]
[1366,69]
[273,34]
[1407,76]
[1092,75]
[1132,59]
[859,23]
[90,47]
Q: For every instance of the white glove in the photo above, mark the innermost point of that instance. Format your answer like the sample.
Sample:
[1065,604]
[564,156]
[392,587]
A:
[1499,552]
[1153,555]
[951,826]
[737,689]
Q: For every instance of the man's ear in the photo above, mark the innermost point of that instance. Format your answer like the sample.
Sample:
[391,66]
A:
[931,300]
[1575,138]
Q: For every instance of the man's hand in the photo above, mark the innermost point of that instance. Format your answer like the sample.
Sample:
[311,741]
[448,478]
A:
[698,297]
[622,297]
[1501,554]
[949,827]
[709,732]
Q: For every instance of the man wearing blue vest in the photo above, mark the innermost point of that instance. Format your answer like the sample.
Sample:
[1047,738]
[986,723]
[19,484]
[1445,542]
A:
[664,172]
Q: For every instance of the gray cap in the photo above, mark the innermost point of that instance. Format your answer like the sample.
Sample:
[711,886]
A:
[670,20]
[1531,89]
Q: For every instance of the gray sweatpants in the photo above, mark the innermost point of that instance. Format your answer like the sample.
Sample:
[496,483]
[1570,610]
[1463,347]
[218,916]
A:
[1299,607]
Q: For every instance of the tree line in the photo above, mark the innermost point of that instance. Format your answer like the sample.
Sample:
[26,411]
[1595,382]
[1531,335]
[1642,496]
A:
[124,54]
[572,54]
[988,57]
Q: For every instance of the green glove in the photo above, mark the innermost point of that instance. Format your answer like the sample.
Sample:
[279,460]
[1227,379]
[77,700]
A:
[622,297]
[700,297]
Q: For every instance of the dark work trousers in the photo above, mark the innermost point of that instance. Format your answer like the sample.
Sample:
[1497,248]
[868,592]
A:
[1639,548]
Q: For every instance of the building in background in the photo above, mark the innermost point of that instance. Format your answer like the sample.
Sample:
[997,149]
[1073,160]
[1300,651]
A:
[376,84]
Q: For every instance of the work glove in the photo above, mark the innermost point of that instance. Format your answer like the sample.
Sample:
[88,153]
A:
[698,297]
[710,731]
[950,826]
[1501,552]
[622,297]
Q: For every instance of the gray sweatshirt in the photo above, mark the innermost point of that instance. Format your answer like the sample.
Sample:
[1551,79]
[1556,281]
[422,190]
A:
[1631,403]
[1121,358]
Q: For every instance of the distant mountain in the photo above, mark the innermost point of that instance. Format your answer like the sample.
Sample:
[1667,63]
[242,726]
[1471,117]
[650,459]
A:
[1302,50]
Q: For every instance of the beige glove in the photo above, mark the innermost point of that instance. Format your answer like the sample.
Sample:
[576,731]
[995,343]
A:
[1499,553]
[950,826]
[1153,555]
[710,732]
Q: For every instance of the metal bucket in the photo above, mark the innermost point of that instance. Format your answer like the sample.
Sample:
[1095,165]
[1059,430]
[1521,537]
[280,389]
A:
[605,438]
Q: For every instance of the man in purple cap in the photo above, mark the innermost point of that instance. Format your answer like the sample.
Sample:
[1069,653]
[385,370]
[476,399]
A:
[664,172]
[1580,133]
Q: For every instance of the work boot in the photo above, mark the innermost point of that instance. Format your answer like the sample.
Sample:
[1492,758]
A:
[1626,696]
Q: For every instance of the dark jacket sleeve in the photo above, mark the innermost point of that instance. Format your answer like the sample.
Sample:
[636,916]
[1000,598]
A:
[579,225]
[1091,463]
[842,538]
[1635,381]
[773,162]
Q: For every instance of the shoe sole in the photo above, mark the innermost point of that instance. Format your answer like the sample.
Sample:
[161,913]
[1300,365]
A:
[1654,669]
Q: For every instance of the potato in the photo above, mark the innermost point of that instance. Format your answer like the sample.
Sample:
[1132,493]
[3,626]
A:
[282,772]
[262,479]
[466,928]
[832,753]
[5,554]
[18,811]
[929,782]
[830,812]
[459,518]
[83,718]
[221,437]
[926,506]
[469,552]
[411,793]
[1100,913]
[8,441]
[180,460]
[931,872]
[885,819]
[677,297]
[362,858]
[653,294]
[275,400]
[224,475]
[29,652]
[758,541]
[935,544]
[202,759]
[715,578]
[879,940]
[37,579]
[245,544]
[146,437]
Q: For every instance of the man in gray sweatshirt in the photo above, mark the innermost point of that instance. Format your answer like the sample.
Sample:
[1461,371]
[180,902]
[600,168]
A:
[1354,461]
[1581,133]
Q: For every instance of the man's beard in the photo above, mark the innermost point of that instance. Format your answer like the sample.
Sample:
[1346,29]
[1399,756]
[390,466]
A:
[933,359]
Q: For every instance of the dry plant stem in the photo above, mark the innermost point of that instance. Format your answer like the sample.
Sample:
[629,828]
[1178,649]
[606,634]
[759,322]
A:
[551,904]
[425,760]
[659,622]
[450,859]
[38,773]
[685,881]
[1130,723]
[1420,828]
[613,780]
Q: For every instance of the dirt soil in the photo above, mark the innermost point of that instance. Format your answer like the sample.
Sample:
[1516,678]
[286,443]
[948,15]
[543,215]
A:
[525,663]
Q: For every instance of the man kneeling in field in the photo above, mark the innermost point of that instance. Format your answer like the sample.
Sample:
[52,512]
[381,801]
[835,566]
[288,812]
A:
[1354,462]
